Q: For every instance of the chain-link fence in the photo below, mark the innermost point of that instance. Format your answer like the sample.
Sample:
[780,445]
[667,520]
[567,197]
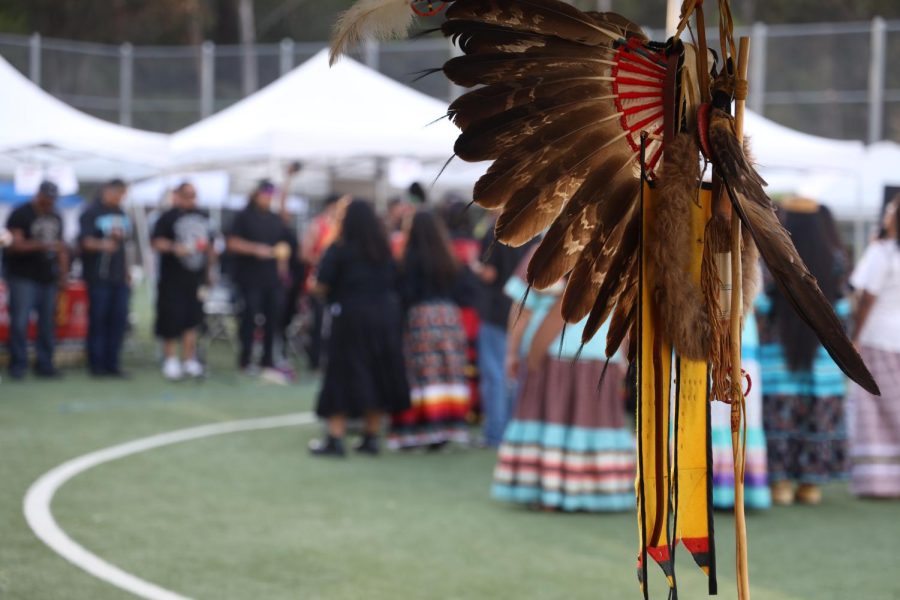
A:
[828,79]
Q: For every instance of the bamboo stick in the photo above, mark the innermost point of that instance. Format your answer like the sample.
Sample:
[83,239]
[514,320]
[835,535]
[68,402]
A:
[738,413]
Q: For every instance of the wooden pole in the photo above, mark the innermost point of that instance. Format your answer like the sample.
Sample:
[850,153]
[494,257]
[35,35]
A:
[738,412]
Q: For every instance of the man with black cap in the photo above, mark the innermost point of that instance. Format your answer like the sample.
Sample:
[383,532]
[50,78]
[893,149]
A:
[35,265]
[261,253]
[104,231]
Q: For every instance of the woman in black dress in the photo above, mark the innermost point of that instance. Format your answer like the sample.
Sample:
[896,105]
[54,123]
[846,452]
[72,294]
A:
[364,374]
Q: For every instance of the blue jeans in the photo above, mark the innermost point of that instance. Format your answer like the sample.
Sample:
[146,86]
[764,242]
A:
[497,393]
[107,324]
[26,295]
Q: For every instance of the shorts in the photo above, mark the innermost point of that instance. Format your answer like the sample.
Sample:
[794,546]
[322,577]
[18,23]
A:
[177,310]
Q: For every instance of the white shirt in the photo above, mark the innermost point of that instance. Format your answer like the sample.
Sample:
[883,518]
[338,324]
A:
[878,273]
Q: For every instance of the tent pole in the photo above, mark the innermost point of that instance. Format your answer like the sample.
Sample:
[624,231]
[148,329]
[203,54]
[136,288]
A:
[139,218]
[381,184]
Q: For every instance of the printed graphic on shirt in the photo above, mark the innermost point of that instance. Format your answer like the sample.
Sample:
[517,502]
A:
[113,225]
[46,229]
[192,231]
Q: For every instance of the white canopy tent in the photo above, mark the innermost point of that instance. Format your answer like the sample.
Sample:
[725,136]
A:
[830,171]
[775,146]
[882,169]
[341,118]
[39,130]
[321,115]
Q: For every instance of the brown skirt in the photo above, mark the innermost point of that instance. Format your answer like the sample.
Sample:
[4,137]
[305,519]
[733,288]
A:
[568,446]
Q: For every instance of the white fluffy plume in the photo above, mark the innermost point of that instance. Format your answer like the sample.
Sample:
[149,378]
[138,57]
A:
[380,19]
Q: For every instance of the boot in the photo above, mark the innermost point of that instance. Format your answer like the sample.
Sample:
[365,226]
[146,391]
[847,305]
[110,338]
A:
[782,492]
[809,494]
[330,446]
[368,444]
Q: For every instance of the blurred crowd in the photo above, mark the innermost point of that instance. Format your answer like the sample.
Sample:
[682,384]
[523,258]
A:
[422,326]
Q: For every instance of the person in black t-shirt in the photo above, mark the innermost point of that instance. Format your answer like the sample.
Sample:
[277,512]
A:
[365,375]
[35,265]
[182,237]
[257,241]
[104,230]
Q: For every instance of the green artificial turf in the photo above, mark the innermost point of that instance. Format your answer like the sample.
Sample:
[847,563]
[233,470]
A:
[250,515]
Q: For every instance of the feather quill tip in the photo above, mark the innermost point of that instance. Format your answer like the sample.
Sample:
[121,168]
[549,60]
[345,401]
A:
[369,19]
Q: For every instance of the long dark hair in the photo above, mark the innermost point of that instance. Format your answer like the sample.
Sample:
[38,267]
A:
[841,254]
[812,240]
[362,230]
[896,202]
[428,251]
[882,231]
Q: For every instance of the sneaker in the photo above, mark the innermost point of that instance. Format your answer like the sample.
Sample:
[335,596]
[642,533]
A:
[193,368]
[274,376]
[330,446]
[172,369]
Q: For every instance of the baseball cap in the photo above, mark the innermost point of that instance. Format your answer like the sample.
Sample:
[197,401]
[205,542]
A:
[48,188]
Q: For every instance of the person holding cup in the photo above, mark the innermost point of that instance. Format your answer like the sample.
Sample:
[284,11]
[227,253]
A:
[258,242]
[182,238]
[104,229]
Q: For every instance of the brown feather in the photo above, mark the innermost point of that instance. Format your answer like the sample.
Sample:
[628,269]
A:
[778,252]
[477,37]
[731,162]
[547,17]
[491,137]
[534,205]
[750,275]
[624,26]
[617,281]
[541,94]
[593,213]
[591,266]
[485,69]
[610,240]
[624,316]
[567,148]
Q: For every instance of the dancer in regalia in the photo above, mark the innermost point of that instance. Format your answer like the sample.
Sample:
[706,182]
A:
[875,422]
[568,446]
[803,389]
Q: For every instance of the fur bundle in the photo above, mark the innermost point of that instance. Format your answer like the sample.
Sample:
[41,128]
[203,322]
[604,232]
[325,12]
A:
[683,310]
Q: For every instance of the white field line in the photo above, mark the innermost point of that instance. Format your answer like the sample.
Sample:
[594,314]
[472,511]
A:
[40,496]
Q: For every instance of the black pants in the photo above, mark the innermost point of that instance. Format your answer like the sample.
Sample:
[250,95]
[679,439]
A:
[315,351]
[267,302]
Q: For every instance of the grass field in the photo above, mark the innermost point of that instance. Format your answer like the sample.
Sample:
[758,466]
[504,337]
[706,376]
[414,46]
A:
[250,515]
